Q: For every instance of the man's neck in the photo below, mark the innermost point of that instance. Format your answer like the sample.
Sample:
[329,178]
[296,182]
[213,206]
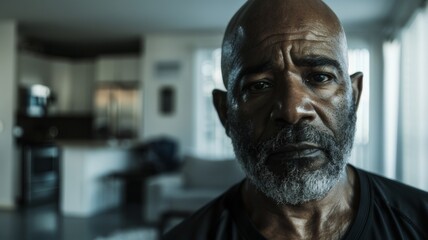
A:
[327,218]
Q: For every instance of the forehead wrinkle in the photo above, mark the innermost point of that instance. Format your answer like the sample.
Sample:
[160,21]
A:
[282,41]
[279,45]
[293,36]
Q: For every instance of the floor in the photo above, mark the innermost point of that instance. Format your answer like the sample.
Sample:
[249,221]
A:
[45,223]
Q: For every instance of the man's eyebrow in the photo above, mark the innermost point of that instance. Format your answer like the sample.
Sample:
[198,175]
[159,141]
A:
[266,66]
[305,61]
[317,61]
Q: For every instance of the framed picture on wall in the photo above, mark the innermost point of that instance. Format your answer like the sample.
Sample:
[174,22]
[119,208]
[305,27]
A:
[167,100]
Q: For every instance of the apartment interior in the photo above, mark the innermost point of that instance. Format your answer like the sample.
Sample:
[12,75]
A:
[107,129]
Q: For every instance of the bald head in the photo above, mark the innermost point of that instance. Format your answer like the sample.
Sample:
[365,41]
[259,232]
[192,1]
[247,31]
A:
[264,22]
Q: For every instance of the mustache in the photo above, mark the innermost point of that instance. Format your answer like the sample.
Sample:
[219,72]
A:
[294,134]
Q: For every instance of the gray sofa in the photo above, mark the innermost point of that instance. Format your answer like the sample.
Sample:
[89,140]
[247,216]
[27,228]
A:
[198,182]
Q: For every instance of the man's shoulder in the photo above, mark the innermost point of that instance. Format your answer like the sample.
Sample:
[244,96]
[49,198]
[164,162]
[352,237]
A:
[207,221]
[394,191]
[401,206]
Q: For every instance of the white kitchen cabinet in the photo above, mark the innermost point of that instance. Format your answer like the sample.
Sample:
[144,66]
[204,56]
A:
[32,69]
[105,70]
[61,82]
[128,68]
[72,82]
[83,86]
[117,69]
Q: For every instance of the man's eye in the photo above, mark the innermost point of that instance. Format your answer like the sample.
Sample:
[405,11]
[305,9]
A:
[319,78]
[259,86]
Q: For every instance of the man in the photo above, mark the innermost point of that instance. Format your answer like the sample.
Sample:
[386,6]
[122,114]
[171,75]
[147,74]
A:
[290,110]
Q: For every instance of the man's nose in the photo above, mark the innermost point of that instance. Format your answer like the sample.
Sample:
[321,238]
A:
[293,104]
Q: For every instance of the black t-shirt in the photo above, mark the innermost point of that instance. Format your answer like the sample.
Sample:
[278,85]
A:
[387,210]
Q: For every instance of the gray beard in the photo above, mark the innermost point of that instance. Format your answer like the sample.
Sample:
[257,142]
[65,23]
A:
[294,183]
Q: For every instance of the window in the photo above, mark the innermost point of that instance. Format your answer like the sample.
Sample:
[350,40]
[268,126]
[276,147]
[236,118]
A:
[359,60]
[412,136]
[211,140]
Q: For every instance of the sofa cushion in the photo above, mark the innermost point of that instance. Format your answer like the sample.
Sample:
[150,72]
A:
[216,174]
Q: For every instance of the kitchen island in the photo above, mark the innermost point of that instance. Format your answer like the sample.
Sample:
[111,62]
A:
[87,183]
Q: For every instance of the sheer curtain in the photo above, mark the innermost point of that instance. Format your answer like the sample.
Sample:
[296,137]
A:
[211,140]
[408,139]
[391,90]
[359,60]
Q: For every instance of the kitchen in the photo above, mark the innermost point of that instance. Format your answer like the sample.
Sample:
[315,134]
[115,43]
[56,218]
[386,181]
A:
[74,104]
[168,95]
[165,72]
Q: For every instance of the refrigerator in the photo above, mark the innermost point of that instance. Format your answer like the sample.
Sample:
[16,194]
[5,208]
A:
[117,110]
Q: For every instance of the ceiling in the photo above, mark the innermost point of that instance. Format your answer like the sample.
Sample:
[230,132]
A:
[109,20]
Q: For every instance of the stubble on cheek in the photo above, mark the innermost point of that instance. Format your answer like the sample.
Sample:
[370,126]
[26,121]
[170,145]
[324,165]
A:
[293,181]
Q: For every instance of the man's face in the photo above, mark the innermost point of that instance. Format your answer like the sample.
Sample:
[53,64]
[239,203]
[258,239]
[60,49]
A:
[291,107]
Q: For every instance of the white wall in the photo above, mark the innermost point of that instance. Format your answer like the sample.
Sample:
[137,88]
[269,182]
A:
[180,48]
[7,105]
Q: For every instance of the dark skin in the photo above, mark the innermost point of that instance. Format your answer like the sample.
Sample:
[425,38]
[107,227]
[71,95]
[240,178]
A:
[284,62]
[328,218]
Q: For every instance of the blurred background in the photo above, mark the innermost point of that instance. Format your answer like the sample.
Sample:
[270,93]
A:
[107,127]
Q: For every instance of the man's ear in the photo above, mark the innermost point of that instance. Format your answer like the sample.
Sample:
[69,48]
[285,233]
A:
[220,104]
[357,87]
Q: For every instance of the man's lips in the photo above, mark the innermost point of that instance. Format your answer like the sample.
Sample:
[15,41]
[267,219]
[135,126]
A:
[296,151]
